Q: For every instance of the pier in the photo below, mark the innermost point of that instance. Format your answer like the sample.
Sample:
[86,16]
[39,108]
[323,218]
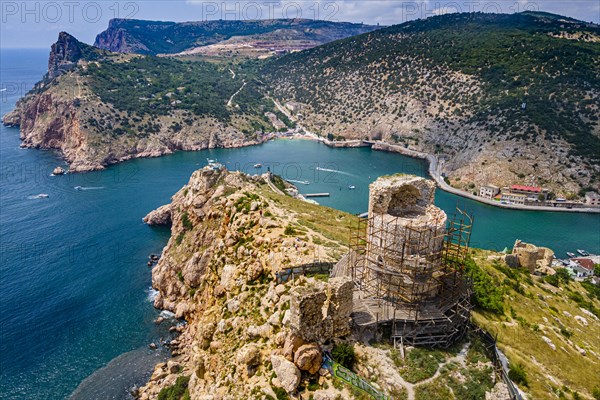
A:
[316,195]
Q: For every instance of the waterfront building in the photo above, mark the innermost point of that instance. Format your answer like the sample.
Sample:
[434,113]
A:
[489,191]
[513,198]
[582,267]
[532,191]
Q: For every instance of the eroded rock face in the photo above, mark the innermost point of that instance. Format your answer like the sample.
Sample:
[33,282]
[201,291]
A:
[64,55]
[160,216]
[288,375]
[218,273]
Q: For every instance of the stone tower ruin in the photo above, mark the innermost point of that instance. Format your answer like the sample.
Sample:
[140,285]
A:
[407,263]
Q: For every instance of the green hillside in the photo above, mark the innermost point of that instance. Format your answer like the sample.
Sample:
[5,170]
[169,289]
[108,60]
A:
[459,72]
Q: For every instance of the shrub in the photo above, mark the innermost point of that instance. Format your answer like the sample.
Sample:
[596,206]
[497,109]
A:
[487,292]
[596,393]
[343,353]
[518,375]
[177,391]
[419,364]
[185,220]
[280,393]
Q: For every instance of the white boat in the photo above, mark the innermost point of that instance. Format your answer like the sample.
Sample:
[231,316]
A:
[257,165]
[351,187]
[583,252]
[42,195]
[570,254]
[214,164]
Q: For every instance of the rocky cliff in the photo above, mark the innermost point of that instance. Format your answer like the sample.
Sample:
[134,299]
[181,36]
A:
[230,237]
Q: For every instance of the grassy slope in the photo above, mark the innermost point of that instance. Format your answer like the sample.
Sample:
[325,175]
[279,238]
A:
[540,309]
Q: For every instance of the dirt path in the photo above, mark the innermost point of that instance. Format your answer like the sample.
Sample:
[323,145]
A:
[389,373]
[230,102]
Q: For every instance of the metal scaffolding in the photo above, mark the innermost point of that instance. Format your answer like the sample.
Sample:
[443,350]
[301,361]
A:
[409,275]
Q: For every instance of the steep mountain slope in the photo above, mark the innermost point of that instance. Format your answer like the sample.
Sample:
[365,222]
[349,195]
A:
[99,107]
[158,37]
[504,98]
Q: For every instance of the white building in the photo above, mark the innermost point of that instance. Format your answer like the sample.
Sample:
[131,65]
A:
[513,198]
[489,191]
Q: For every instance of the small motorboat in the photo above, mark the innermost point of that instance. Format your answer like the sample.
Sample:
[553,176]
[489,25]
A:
[257,165]
[42,196]
[570,254]
[583,252]
[351,187]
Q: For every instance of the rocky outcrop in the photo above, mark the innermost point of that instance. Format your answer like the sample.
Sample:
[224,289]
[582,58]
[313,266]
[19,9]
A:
[118,39]
[160,216]
[218,273]
[64,55]
[58,171]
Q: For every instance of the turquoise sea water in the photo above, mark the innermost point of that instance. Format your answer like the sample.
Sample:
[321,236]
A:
[73,275]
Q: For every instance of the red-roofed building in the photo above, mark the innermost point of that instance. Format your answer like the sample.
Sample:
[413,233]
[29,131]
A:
[582,267]
[533,191]
[585,263]
[525,189]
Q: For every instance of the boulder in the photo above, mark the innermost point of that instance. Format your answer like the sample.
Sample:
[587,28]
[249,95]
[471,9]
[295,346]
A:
[292,343]
[173,367]
[249,355]
[308,358]
[58,171]
[288,375]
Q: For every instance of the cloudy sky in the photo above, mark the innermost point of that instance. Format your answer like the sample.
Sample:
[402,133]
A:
[37,23]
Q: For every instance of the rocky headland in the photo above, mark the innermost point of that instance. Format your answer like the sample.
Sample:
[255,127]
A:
[64,112]
[254,330]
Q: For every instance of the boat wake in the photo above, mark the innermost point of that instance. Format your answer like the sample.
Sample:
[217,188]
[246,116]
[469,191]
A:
[301,182]
[335,171]
[88,187]
[38,196]
[3,90]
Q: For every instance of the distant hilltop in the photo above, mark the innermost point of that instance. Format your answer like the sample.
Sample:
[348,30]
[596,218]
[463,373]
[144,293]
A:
[161,37]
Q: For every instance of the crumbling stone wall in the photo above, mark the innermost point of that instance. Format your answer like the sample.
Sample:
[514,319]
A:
[529,256]
[321,311]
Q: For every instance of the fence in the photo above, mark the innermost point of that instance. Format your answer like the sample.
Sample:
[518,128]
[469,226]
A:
[490,343]
[319,267]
